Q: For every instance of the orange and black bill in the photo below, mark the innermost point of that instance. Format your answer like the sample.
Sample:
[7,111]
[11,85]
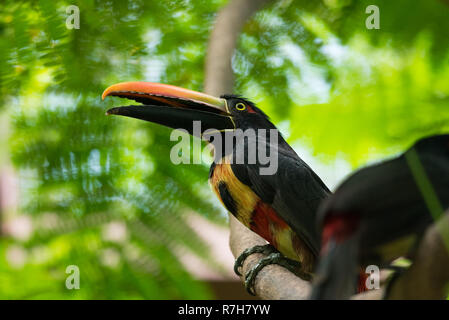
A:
[171,106]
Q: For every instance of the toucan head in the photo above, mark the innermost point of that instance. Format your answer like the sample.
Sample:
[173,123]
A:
[177,108]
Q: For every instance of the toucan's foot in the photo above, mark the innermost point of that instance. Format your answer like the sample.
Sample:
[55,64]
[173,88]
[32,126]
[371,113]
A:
[265,249]
[273,258]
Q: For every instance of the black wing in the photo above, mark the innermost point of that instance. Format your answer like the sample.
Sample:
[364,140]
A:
[294,191]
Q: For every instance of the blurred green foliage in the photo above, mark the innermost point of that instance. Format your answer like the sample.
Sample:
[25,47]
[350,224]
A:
[338,88]
[82,172]
[345,90]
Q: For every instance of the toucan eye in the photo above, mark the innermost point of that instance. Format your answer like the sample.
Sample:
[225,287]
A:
[240,106]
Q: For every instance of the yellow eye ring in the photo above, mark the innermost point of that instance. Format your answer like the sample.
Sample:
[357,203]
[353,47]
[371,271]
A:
[240,106]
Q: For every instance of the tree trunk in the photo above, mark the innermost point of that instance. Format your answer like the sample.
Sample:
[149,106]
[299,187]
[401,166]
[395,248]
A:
[273,282]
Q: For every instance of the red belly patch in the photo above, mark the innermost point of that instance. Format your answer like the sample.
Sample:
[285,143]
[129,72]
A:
[264,219]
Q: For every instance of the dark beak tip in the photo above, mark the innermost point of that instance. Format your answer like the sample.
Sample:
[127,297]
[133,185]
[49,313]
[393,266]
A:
[112,111]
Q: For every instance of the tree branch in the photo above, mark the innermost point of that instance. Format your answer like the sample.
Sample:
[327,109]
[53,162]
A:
[273,282]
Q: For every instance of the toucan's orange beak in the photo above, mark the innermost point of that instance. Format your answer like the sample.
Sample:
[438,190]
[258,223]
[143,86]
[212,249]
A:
[163,93]
[171,106]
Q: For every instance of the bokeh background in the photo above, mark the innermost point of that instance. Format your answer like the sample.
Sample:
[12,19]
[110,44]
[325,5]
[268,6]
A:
[80,188]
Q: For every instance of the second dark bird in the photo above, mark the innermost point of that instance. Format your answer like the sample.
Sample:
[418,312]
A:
[379,214]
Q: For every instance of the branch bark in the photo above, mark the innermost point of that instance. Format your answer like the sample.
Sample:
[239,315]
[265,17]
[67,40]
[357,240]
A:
[428,276]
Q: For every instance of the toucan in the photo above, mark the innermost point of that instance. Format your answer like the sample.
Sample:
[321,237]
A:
[379,214]
[279,205]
